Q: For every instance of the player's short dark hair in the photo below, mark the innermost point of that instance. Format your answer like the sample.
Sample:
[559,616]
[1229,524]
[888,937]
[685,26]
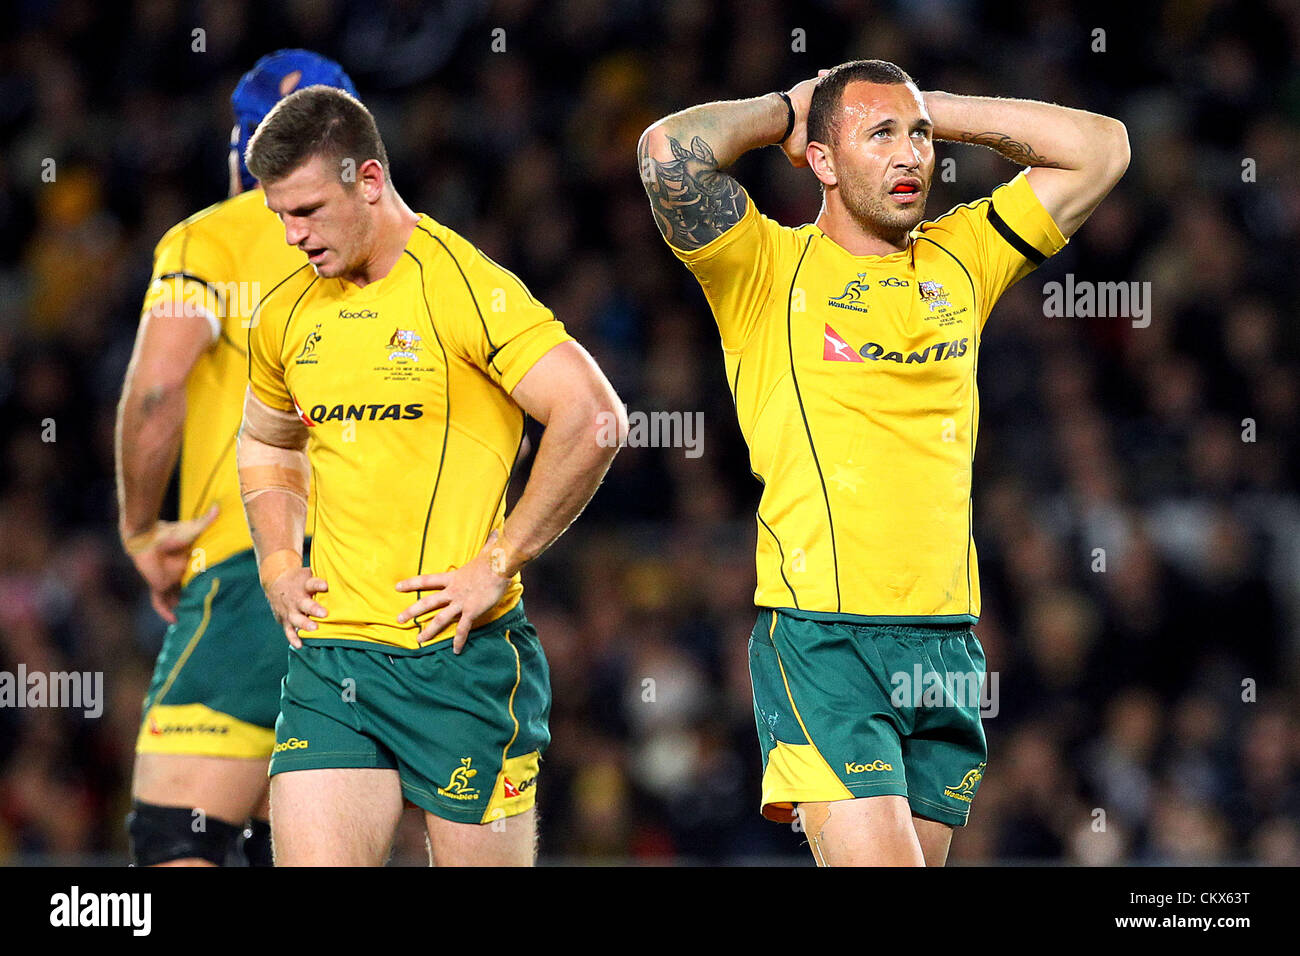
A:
[314,121]
[824,111]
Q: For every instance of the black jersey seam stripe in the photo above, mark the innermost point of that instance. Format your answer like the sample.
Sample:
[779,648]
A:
[974,368]
[492,346]
[973,204]
[284,334]
[223,336]
[210,286]
[735,382]
[254,318]
[789,337]
[315,502]
[510,468]
[781,551]
[289,318]
[446,429]
[974,290]
[523,288]
[1013,239]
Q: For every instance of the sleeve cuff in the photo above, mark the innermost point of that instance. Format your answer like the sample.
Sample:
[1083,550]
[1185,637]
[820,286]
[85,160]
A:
[1019,218]
[718,243]
[513,359]
[279,402]
[170,288]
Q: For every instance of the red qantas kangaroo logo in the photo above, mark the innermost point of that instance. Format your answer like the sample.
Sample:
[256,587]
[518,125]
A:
[836,349]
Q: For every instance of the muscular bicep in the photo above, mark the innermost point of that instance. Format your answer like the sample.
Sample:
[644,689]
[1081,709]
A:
[693,201]
[566,377]
[1068,195]
[1071,195]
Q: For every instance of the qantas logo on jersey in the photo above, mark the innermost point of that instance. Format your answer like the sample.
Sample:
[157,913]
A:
[836,349]
[938,352]
[367,413]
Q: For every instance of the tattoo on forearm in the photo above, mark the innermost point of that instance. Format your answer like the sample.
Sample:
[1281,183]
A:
[1013,150]
[693,201]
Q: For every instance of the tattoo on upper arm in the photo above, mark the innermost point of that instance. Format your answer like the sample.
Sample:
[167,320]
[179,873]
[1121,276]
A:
[693,201]
[1013,150]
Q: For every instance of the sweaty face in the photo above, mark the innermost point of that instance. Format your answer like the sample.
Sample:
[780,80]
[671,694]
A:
[884,156]
[324,218]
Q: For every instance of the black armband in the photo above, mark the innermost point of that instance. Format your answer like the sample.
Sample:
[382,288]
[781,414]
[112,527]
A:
[789,123]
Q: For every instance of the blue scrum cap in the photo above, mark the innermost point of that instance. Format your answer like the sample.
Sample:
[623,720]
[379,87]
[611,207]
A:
[270,80]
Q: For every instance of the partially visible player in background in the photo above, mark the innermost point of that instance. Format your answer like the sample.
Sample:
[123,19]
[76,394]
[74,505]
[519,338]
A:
[209,715]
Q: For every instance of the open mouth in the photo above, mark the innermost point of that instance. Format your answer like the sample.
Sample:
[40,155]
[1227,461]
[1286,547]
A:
[314,255]
[905,190]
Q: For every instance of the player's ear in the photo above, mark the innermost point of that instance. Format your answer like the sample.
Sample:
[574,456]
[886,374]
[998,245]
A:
[371,177]
[822,163]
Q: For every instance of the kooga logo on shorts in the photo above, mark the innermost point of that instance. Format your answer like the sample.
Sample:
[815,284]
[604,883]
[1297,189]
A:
[867,767]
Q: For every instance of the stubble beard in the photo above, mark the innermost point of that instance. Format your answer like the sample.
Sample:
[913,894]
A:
[876,215]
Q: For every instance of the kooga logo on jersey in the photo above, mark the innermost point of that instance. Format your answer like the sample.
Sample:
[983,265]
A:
[365,413]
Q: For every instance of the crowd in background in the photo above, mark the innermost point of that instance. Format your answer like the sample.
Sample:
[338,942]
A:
[1136,506]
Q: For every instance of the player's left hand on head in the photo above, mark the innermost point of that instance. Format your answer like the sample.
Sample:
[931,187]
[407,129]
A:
[463,595]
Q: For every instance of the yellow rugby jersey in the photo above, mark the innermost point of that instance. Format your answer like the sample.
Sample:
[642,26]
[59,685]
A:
[219,263]
[854,383]
[404,384]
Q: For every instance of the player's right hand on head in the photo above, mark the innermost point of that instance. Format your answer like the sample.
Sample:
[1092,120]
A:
[292,599]
[795,146]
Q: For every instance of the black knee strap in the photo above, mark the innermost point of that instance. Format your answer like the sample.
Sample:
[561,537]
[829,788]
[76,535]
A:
[257,844]
[162,834]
